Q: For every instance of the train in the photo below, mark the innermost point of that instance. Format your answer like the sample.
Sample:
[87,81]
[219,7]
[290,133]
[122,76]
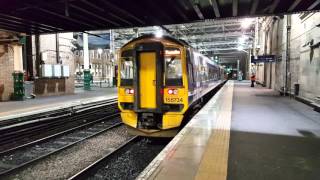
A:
[159,79]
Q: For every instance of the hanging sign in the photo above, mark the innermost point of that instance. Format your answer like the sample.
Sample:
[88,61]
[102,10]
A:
[263,59]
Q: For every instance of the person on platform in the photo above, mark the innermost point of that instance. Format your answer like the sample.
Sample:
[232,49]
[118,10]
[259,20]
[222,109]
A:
[253,79]
[240,74]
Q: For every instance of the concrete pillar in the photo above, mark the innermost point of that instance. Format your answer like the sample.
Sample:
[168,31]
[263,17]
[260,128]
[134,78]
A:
[287,86]
[29,58]
[86,62]
[249,71]
[238,69]
[112,56]
[17,58]
[57,49]
[38,55]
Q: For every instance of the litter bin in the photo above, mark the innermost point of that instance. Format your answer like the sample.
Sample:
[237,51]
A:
[296,89]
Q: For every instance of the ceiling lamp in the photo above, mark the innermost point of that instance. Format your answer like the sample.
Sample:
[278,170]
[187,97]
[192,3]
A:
[240,48]
[243,39]
[159,33]
[246,23]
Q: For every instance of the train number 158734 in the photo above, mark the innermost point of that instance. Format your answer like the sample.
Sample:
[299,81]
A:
[174,100]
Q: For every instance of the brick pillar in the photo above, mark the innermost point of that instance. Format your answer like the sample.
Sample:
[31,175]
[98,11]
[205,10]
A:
[6,69]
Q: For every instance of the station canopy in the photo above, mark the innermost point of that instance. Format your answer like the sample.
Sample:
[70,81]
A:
[50,16]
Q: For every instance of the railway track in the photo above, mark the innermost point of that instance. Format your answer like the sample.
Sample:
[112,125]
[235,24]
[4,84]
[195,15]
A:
[126,161]
[18,158]
[15,132]
[129,160]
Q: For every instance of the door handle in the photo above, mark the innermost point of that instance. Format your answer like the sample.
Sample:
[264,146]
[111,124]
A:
[154,82]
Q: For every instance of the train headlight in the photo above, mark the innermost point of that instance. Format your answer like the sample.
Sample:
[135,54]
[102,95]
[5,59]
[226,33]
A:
[129,91]
[172,91]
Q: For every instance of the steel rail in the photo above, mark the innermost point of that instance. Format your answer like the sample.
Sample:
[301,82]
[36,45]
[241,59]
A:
[18,167]
[57,134]
[94,167]
[19,133]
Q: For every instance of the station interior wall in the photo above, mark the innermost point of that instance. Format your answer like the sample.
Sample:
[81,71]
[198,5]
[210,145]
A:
[304,64]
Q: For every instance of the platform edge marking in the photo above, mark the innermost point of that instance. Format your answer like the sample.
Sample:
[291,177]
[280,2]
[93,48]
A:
[49,107]
[214,162]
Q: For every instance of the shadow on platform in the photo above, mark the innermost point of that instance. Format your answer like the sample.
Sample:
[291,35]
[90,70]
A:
[269,156]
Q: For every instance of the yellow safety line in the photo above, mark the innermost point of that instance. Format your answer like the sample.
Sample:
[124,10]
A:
[214,162]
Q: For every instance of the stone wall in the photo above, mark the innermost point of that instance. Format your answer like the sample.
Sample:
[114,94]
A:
[51,86]
[304,53]
[56,86]
[309,64]
[6,70]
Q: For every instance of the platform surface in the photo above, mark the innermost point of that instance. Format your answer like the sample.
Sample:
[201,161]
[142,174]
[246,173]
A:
[244,133]
[13,109]
[272,137]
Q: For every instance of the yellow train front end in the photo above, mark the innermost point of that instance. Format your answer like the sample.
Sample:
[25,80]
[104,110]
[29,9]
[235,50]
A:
[153,85]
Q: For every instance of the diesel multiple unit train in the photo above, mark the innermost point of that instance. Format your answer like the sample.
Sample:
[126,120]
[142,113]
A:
[158,80]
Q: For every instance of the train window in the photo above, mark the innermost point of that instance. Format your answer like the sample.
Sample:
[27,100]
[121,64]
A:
[126,68]
[190,70]
[173,67]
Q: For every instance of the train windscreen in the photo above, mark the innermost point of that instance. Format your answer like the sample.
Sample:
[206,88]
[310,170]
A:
[173,67]
[126,69]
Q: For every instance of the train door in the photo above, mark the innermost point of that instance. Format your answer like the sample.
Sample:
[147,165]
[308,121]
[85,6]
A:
[147,79]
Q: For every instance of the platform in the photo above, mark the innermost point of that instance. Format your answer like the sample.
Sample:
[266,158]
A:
[244,133]
[14,109]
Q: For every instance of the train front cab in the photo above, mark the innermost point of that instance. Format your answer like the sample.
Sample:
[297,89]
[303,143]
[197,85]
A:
[153,93]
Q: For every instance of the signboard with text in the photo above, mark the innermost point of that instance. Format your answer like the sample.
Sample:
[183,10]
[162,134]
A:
[263,59]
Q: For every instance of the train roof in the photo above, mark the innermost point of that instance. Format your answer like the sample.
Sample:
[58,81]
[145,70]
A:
[166,37]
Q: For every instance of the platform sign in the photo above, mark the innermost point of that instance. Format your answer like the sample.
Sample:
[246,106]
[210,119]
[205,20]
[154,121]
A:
[263,59]
[65,71]
[47,70]
[57,70]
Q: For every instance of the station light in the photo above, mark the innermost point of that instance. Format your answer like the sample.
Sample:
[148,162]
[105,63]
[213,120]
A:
[246,23]
[159,33]
[241,40]
[240,48]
